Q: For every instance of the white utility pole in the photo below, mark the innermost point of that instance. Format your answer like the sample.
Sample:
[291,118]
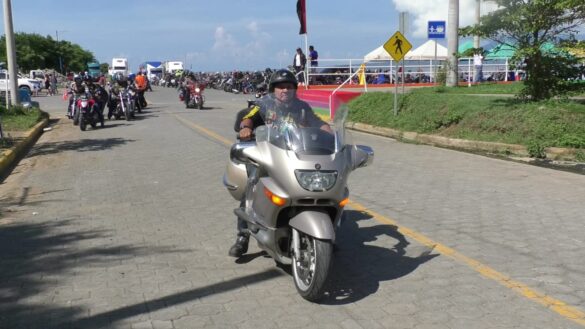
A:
[477,20]
[453,43]
[11,52]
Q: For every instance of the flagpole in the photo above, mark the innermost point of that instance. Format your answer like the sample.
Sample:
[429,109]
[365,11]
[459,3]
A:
[306,50]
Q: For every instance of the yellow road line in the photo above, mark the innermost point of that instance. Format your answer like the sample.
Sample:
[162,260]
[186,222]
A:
[556,305]
[205,131]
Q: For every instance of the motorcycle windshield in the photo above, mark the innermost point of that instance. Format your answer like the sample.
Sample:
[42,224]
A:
[292,132]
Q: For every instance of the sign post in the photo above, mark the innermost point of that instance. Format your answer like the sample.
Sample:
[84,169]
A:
[436,30]
[397,46]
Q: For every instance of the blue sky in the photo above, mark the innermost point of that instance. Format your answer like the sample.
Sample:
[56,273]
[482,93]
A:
[217,35]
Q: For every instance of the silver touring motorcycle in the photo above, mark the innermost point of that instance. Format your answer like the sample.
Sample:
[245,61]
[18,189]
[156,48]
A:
[292,184]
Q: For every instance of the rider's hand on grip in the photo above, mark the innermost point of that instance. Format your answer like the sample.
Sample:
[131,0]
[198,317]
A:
[246,133]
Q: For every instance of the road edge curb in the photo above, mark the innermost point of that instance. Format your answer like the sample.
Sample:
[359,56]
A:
[507,150]
[10,157]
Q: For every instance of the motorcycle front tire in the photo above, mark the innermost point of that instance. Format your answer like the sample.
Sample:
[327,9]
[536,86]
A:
[76,118]
[82,124]
[311,286]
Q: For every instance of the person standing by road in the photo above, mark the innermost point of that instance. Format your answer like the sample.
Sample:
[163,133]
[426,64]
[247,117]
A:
[53,82]
[313,56]
[478,65]
[47,83]
[299,62]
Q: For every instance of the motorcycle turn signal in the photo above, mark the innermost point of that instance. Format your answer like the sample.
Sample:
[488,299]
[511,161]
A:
[279,201]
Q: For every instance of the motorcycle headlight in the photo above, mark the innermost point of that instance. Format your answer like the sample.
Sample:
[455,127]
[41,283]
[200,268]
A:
[83,103]
[316,181]
[197,90]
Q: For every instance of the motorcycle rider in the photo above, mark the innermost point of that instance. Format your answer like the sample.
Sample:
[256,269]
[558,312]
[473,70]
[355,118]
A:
[281,102]
[100,96]
[120,83]
[78,88]
[186,86]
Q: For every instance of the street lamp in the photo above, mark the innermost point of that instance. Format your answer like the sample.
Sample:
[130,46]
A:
[59,49]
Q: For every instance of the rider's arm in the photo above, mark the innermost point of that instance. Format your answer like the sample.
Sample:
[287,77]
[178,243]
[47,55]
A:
[315,121]
[249,122]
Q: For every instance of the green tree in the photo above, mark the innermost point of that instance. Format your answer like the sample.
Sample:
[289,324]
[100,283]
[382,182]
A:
[104,68]
[528,26]
[34,51]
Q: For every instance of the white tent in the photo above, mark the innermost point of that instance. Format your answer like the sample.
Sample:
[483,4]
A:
[426,51]
[378,54]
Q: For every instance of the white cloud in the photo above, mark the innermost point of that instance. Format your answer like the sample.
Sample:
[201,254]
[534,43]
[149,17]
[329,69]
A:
[422,11]
[245,46]
[223,40]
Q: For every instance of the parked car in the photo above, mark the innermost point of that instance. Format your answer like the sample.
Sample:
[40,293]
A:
[31,85]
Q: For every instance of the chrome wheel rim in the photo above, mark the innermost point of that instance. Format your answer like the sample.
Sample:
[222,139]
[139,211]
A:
[304,263]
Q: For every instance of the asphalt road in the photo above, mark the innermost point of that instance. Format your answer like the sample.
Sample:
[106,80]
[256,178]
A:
[129,227]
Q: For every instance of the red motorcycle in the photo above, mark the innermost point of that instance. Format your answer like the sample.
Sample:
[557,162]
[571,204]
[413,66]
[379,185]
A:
[194,96]
[88,111]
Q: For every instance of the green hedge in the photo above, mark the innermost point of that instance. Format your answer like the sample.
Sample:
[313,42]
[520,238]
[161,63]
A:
[475,117]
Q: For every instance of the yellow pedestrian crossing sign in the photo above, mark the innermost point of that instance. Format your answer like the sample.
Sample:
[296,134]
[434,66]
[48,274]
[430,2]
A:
[397,46]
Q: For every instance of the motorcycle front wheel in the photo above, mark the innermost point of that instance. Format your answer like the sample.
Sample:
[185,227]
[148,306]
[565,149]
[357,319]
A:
[311,266]
[82,124]
[127,112]
[76,117]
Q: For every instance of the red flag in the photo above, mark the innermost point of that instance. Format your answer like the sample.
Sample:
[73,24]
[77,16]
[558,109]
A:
[301,12]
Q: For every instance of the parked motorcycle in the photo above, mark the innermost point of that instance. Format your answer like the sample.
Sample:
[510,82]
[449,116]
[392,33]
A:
[194,96]
[88,112]
[124,104]
[292,183]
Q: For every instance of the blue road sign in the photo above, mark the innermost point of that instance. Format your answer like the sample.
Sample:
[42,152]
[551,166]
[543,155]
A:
[436,29]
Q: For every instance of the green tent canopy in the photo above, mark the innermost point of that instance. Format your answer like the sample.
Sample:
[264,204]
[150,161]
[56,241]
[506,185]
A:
[501,51]
[507,51]
[465,46]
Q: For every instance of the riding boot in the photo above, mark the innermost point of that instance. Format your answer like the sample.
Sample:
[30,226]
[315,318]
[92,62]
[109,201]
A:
[241,246]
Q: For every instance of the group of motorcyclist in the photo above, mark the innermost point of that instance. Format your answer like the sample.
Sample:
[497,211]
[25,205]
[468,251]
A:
[84,84]
[280,101]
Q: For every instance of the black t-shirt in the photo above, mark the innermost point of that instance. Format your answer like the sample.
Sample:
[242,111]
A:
[297,112]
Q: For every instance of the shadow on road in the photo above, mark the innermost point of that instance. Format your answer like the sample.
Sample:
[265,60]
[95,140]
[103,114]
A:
[359,267]
[34,257]
[82,145]
[108,319]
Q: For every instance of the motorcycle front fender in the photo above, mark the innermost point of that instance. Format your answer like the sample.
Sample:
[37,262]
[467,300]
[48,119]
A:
[317,224]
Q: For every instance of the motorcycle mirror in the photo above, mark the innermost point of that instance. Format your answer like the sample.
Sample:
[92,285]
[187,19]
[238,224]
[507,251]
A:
[237,152]
[362,156]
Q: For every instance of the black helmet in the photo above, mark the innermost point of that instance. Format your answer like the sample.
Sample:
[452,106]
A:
[282,76]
